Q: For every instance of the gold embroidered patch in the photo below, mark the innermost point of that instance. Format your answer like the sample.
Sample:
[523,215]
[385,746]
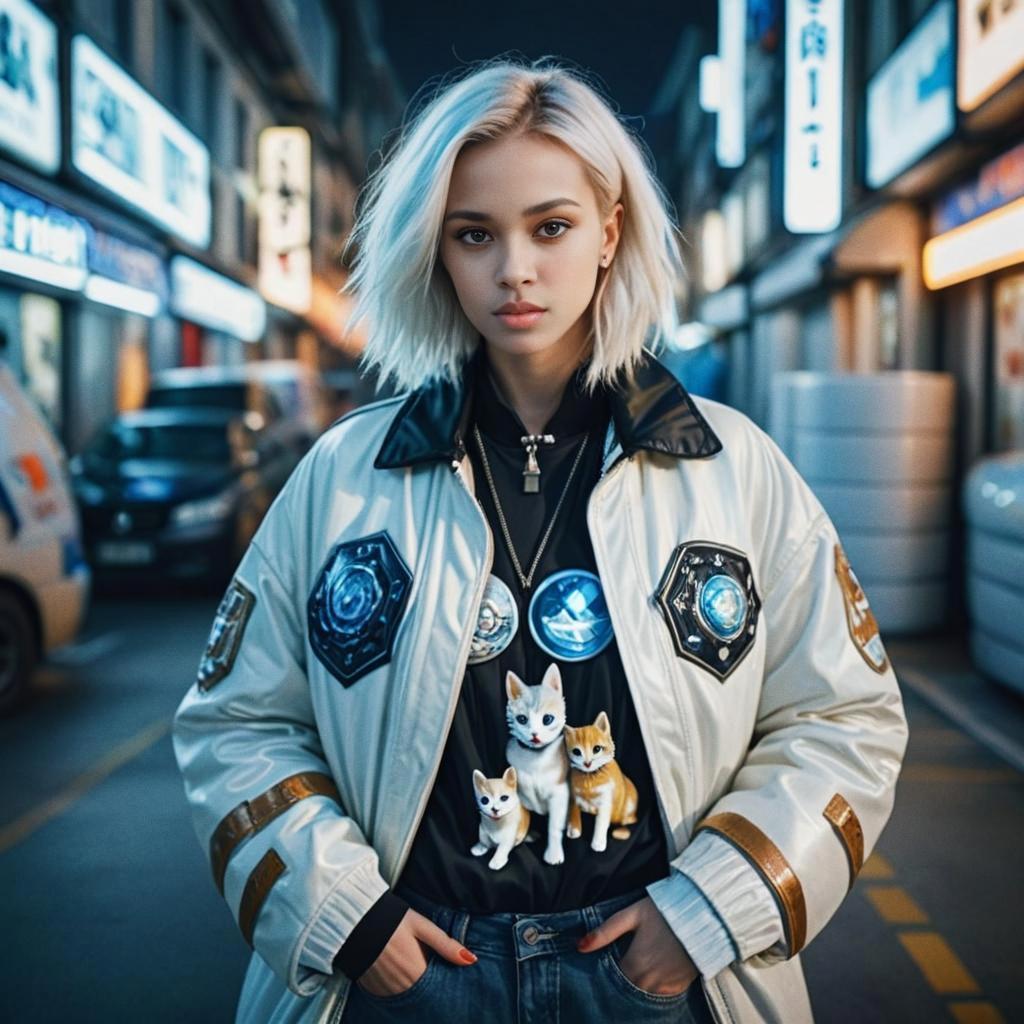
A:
[859,617]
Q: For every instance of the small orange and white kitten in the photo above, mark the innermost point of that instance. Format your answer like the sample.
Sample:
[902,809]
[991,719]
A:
[598,785]
[504,821]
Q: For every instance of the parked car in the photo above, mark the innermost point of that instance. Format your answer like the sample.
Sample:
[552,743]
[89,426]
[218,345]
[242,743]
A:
[283,391]
[44,579]
[178,492]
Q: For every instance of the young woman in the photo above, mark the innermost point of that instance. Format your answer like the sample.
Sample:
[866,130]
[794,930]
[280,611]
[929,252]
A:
[545,691]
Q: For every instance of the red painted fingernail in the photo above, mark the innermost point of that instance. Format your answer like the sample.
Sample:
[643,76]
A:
[466,957]
[584,943]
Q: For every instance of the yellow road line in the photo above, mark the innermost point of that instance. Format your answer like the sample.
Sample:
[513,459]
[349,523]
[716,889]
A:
[976,1013]
[952,774]
[876,866]
[21,828]
[941,967]
[895,905]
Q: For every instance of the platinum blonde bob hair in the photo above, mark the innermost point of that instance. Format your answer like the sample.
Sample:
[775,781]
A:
[416,329]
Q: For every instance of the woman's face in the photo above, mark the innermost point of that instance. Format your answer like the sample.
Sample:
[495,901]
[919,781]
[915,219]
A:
[522,225]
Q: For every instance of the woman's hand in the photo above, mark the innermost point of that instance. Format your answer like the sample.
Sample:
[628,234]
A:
[655,961]
[403,960]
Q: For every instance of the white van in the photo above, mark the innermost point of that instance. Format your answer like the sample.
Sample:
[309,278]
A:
[44,580]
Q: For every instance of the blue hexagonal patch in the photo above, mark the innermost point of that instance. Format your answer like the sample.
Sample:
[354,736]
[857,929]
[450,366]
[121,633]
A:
[356,605]
[708,598]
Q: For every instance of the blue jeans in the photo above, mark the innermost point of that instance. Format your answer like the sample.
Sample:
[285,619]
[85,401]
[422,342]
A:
[527,972]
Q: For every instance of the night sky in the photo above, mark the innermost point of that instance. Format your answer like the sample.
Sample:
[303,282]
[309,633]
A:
[628,45]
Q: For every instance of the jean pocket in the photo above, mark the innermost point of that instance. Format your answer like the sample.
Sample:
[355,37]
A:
[611,961]
[417,988]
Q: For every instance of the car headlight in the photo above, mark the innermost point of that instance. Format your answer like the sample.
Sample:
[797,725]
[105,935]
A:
[205,510]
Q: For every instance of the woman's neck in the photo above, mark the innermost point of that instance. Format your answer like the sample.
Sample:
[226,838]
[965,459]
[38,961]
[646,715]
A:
[533,384]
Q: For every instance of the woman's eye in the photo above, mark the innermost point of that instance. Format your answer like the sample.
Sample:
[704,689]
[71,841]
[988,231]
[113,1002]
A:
[554,224]
[464,236]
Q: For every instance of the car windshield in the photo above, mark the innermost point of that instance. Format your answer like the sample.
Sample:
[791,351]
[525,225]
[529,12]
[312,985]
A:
[215,396]
[180,441]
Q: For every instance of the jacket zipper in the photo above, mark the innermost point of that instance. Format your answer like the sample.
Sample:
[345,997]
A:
[594,539]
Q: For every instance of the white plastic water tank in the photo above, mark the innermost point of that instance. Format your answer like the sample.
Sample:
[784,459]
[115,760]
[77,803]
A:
[877,449]
[993,498]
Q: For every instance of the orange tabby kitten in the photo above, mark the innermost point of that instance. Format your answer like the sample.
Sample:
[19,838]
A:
[598,785]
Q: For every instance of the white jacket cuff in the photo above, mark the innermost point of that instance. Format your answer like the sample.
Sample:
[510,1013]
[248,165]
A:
[342,909]
[742,900]
[695,923]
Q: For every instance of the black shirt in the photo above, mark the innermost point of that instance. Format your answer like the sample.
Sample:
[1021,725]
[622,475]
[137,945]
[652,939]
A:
[440,865]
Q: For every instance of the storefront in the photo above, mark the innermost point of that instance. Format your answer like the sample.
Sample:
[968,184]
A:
[222,322]
[974,262]
[43,268]
[77,309]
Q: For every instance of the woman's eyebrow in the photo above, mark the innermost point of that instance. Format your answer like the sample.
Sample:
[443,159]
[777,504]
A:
[528,212]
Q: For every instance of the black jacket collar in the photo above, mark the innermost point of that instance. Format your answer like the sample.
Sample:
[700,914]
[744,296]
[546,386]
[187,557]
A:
[654,413]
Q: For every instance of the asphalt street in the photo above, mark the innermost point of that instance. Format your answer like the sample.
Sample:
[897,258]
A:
[110,914]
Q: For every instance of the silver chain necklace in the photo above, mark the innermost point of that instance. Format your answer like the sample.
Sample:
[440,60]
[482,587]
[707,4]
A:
[525,581]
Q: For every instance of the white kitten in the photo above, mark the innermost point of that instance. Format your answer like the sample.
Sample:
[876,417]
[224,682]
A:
[503,819]
[536,717]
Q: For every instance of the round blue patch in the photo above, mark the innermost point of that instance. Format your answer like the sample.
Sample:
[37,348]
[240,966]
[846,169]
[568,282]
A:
[568,616]
[722,607]
[497,620]
[355,596]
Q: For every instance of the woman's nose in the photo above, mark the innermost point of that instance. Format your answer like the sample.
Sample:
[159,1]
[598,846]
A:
[516,266]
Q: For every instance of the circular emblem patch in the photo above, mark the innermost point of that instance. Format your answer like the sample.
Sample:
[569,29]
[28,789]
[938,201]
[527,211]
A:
[568,616]
[496,622]
[722,607]
[355,596]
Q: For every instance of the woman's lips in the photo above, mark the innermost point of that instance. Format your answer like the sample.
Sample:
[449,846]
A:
[520,320]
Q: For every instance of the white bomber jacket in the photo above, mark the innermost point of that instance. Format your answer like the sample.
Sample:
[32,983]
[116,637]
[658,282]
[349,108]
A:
[311,739]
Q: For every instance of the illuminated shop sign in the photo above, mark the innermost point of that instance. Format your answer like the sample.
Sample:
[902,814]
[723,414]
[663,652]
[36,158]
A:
[124,275]
[41,242]
[285,261]
[993,241]
[991,48]
[979,227]
[29,94]
[730,139]
[814,115]
[910,106]
[212,300]
[999,182]
[128,143]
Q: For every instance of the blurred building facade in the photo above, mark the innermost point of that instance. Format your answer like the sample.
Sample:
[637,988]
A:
[145,219]
[849,179]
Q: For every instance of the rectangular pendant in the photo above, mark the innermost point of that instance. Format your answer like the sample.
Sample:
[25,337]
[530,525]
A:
[531,483]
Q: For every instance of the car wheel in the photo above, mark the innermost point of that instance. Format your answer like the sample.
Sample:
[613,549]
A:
[17,652]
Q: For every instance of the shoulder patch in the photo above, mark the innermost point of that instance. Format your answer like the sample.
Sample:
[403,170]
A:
[710,604]
[356,605]
[859,618]
[226,634]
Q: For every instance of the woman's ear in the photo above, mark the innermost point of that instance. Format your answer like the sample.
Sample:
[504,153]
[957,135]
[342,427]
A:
[612,232]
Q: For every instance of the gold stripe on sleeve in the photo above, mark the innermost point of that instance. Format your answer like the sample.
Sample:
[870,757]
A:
[261,881]
[773,867]
[252,815]
[847,825]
